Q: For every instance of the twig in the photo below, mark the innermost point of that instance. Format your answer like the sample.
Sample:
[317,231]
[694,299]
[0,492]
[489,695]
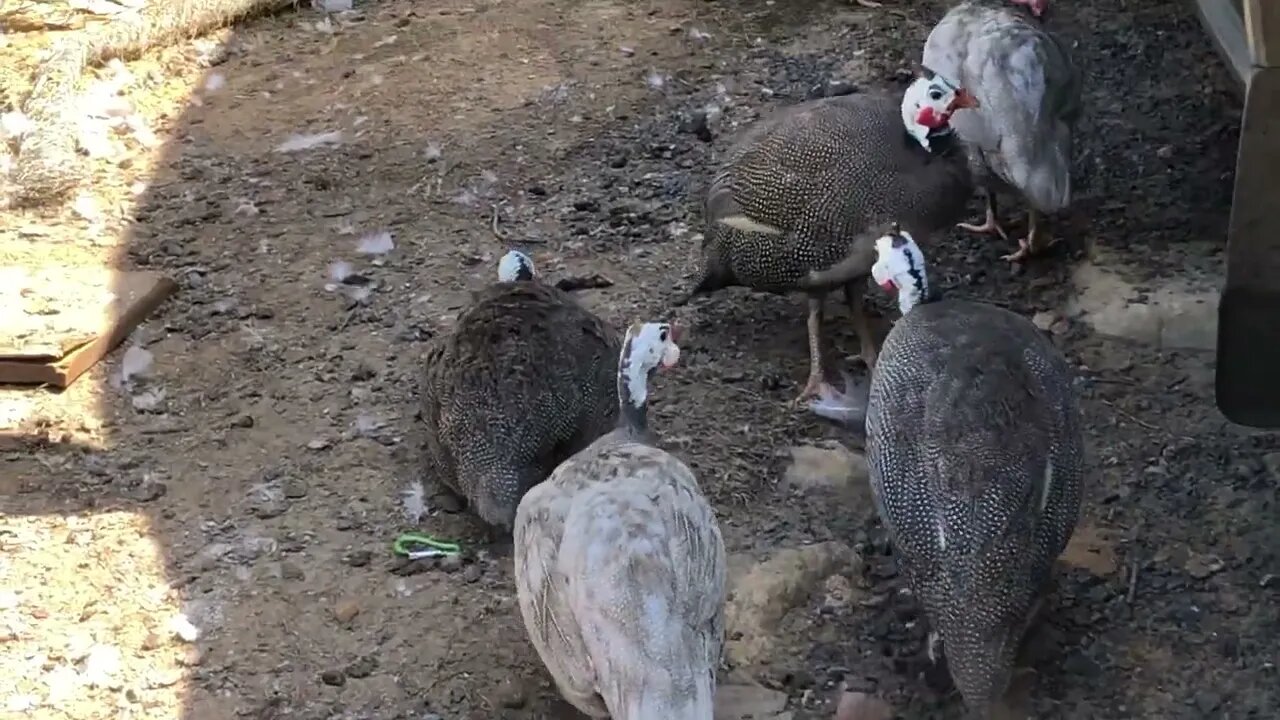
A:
[1133,582]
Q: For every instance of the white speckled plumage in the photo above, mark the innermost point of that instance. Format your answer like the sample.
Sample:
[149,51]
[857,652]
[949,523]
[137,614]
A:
[802,194]
[525,378]
[975,449]
[620,570]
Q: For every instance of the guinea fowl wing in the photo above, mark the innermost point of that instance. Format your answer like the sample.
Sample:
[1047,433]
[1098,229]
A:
[787,165]
[545,602]
[646,568]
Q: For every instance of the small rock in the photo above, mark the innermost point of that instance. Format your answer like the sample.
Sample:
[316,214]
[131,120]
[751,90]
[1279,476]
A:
[363,667]
[242,421]
[1044,319]
[839,592]
[861,706]
[289,571]
[191,657]
[1203,566]
[358,558]
[511,694]
[147,491]
[346,611]
[295,488]
[471,573]
[450,563]
[334,678]
[151,641]
[319,444]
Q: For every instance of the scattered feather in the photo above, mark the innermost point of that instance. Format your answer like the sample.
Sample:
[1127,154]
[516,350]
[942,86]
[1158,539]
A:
[136,363]
[15,124]
[86,206]
[214,82]
[415,502]
[433,152]
[246,208]
[698,35]
[656,80]
[385,41]
[148,401]
[300,141]
[184,629]
[376,243]
[143,134]
[340,270]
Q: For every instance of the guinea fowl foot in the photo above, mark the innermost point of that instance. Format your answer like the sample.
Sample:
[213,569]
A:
[1030,246]
[812,391]
[989,226]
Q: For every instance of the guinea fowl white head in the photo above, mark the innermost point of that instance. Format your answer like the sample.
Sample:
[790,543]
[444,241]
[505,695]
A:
[647,347]
[515,266]
[899,268]
[928,104]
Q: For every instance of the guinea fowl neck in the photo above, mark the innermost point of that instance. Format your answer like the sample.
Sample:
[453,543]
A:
[633,392]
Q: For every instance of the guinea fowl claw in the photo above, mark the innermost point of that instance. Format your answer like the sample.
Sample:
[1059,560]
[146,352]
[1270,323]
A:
[813,390]
[989,227]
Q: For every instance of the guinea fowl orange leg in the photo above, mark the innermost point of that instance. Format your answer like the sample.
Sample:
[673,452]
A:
[854,296]
[990,224]
[812,388]
[1037,240]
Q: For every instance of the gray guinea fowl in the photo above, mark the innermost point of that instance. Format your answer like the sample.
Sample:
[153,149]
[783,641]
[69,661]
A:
[1020,139]
[974,445]
[799,197]
[620,567]
[525,379]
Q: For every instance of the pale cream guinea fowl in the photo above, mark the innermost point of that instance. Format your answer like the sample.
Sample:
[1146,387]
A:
[802,195]
[975,448]
[1020,138]
[620,566]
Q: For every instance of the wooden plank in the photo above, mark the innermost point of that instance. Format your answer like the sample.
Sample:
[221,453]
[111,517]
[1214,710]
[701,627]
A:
[1226,27]
[1247,384]
[60,321]
[1262,29]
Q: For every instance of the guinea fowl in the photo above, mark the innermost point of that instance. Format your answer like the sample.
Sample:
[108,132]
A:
[974,445]
[801,196]
[1030,92]
[620,567]
[525,380]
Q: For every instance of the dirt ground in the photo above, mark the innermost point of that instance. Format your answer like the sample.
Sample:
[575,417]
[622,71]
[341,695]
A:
[220,547]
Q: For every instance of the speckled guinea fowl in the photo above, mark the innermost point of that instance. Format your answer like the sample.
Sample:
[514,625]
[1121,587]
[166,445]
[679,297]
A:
[974,445]
[1031,94]
[525,379]
[802,195]
[620,567]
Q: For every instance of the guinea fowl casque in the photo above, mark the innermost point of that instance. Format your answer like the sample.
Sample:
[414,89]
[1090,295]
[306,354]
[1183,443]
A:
[1030,93]
[802,195]
[526,379]
[620,567]
[974,446]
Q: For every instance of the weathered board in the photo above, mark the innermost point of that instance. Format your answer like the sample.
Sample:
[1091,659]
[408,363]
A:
[56,322]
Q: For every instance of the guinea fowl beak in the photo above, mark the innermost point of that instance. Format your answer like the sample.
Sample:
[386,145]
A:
[965,99]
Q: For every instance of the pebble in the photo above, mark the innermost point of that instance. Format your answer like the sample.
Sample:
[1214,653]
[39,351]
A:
[346,611]
[334,678]
[289,571]
[358,558]
[363,667]
[471,573]
[861,706]
[511,694]
[295,489]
